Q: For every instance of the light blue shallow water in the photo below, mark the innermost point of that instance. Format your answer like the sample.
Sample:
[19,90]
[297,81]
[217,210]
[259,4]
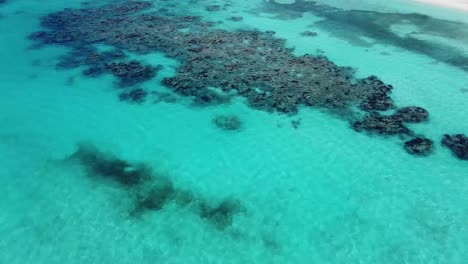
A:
[319,193]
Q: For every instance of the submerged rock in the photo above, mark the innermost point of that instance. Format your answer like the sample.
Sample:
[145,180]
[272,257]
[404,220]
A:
[458,144]
[309,34]
[227,122]
[213,8]
[419,146]
[236,18]
[222,214]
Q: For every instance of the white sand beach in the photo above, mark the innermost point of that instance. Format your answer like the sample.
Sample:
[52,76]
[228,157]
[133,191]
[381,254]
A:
[457,4]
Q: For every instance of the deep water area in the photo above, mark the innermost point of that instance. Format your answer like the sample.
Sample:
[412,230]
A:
[216,131]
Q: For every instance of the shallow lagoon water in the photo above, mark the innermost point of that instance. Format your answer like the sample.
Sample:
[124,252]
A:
[321,193]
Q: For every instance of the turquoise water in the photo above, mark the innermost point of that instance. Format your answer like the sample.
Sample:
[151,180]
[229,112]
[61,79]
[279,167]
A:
[316,193]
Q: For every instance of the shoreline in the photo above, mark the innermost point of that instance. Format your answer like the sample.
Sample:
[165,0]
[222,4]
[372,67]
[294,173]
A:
[461,5]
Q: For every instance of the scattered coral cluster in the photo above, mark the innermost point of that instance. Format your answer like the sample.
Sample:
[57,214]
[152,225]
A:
[214,63]
[151,191]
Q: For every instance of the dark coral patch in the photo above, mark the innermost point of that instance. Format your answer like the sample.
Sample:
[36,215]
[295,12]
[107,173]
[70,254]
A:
[378,99]
[377,102]
[419,146]
[155,197]
[381,124]
[458,144]
[236,18]
[221,215]
[109,167]
[296,123]
[309,34]
[213,8]
[134,96]
[412,114]
[227,122]
[151,191]
[131,73]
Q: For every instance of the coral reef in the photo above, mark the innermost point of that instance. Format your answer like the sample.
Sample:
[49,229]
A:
[227,122]
[151,191]
[458,144]
[216,63]
[255,64]
[419,146]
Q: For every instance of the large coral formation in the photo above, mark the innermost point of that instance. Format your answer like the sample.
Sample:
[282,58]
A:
[255,65]
[151,191]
